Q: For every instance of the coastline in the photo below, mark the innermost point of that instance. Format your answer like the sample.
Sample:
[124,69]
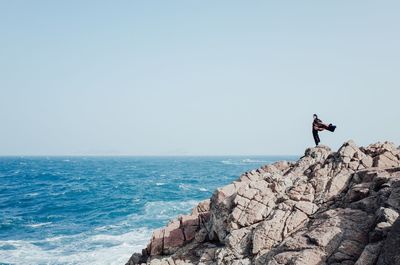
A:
[303,212]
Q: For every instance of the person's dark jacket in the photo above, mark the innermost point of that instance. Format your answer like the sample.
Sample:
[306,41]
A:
[318,125]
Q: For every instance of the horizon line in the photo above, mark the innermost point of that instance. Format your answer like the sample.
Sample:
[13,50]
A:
[135,155]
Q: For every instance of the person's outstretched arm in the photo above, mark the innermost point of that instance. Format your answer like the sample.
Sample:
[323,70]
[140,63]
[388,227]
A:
[320,126]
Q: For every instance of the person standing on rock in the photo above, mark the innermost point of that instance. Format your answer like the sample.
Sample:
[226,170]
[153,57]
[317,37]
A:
[317,126]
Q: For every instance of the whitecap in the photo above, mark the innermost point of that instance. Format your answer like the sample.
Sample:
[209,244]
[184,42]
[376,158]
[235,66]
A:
[167,210]
[248,160]
[106,227]
[105,249]
[39,224]
[226,162]
[244,162]
[230,162]
[203,189]
[184,187]
[33,194]
[56,238]
[160,184]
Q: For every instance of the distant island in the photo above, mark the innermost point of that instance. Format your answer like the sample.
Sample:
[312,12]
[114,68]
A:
[327,208]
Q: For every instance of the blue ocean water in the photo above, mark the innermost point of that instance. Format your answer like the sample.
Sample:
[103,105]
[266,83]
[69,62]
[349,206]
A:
[99,210]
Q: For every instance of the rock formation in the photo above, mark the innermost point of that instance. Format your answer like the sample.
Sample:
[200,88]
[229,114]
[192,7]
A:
[327,208]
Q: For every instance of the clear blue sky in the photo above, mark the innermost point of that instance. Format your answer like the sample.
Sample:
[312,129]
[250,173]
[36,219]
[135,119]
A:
[196,77]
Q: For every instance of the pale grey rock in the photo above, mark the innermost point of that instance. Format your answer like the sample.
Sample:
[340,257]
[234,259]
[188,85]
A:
[387,215]
[326,208]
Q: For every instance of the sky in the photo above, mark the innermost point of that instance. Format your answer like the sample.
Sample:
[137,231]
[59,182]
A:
[196,77]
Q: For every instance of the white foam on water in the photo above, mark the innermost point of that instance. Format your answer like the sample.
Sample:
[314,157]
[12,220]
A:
[160,184]
[234,163]
[107,227]
[203,189]
[105,249]
[39,224]
[184,187]
[166,210]
[244,162]
[228,162]
[248,160]
[33,194]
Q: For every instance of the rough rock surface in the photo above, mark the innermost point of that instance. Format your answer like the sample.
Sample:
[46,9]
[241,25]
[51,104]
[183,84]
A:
[327,208]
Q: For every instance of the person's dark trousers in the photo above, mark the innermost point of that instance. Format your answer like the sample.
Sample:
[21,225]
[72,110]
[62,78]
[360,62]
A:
[316,137]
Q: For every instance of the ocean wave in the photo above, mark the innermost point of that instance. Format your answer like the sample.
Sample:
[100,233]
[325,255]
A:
[167,210]
[33,194]
[100,249]
[228,162]
[248,160]
[184,186]
[243,162]
[39,224]
[128,194]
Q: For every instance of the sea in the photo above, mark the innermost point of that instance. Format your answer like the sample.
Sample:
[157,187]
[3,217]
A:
[100,210]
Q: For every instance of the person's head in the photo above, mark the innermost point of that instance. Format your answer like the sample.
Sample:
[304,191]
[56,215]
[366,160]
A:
[315,116]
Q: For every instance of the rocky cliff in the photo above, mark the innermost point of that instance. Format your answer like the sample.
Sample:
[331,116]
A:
[327,208]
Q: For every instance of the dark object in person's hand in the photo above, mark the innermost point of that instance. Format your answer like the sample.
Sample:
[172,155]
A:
[331,127]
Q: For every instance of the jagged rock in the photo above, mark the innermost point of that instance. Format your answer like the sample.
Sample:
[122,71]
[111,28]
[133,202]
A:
[178,232]
[173,237]
[326,208]
[386,159]
[390,252]
[387,215]
[239,240]
[156,244]
[370,254]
